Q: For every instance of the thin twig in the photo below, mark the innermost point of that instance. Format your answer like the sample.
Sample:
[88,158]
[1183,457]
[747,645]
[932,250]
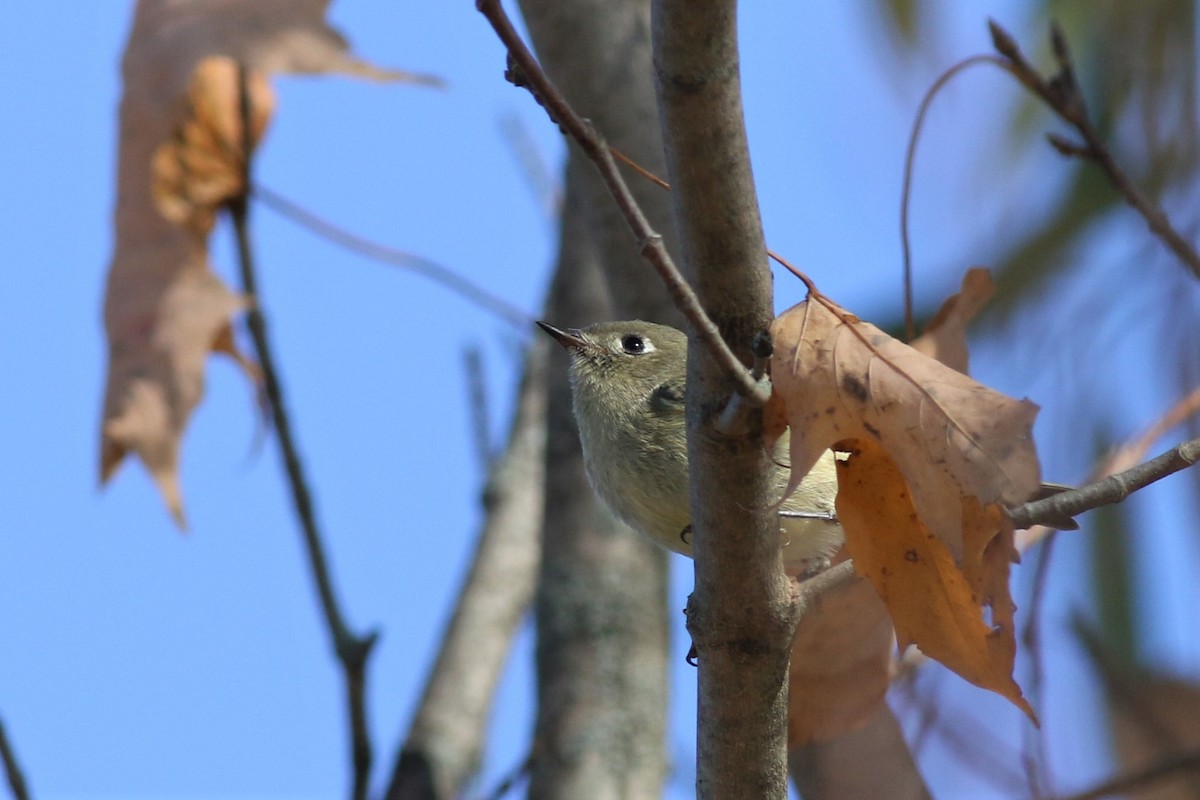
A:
[1106,491]
[1136,450]
[544,186]
[525,71]
[352,650]
[397,258]
[1127,455]
[477,404]
[1062,94]
[1143,778]
[809,285]
[1034,754]
[515,776]
[910,328]
[16,778]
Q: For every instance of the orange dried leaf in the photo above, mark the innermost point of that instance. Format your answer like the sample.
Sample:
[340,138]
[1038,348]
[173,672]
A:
[933,603]
[201,167]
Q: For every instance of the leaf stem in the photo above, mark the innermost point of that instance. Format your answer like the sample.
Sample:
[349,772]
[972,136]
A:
[435,272]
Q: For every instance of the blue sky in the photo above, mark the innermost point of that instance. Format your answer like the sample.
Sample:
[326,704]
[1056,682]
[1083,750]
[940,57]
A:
[136,661]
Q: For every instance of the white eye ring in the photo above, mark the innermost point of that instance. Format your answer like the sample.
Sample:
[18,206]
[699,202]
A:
[636,345]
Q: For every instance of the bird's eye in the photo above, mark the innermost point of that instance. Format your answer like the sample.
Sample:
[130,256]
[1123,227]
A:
[636,345]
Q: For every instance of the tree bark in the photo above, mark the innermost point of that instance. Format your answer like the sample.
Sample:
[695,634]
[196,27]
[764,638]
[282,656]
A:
[743,611]
[601,604]
[603,631]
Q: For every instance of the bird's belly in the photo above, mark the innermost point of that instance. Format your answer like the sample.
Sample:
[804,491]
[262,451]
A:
[659,511]
[662,512]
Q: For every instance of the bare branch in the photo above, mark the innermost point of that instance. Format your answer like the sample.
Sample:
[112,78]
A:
[16,779]
[743,611]
[1062,94]
[910,328]
[525,71]
[351,649]
[1144,778]
[1106,491]
[810,592]
[444,742]
[601,604]
[477,405]
[398,258]
[1126,456]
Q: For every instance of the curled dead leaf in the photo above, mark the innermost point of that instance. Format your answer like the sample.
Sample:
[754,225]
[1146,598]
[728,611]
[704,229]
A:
[839,670]
[933,458]
[843,379]
[181,156]
[933,602]
[945,338]
[202,166]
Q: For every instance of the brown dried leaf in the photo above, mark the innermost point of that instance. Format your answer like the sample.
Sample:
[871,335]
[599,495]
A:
[838,673]
[945,339]
[159,338]
[844,379]
[180,158]
[934,456]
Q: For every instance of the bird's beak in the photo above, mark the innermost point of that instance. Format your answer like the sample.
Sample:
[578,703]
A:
[570,339]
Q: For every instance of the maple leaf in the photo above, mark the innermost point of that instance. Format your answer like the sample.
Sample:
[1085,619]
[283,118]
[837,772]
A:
[839,673]
[181,156]
[945,339]
[934,457]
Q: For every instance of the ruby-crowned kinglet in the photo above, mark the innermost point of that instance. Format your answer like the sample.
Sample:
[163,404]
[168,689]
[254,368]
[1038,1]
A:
[627,381]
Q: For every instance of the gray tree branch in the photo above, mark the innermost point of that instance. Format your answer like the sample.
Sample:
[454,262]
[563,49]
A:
[444,743]
[743,613]
[601,603]
[1106,491]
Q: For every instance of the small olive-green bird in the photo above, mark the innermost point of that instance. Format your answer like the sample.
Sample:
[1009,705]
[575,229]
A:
[627,382]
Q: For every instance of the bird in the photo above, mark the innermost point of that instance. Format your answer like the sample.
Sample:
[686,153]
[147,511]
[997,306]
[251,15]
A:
[628,383]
